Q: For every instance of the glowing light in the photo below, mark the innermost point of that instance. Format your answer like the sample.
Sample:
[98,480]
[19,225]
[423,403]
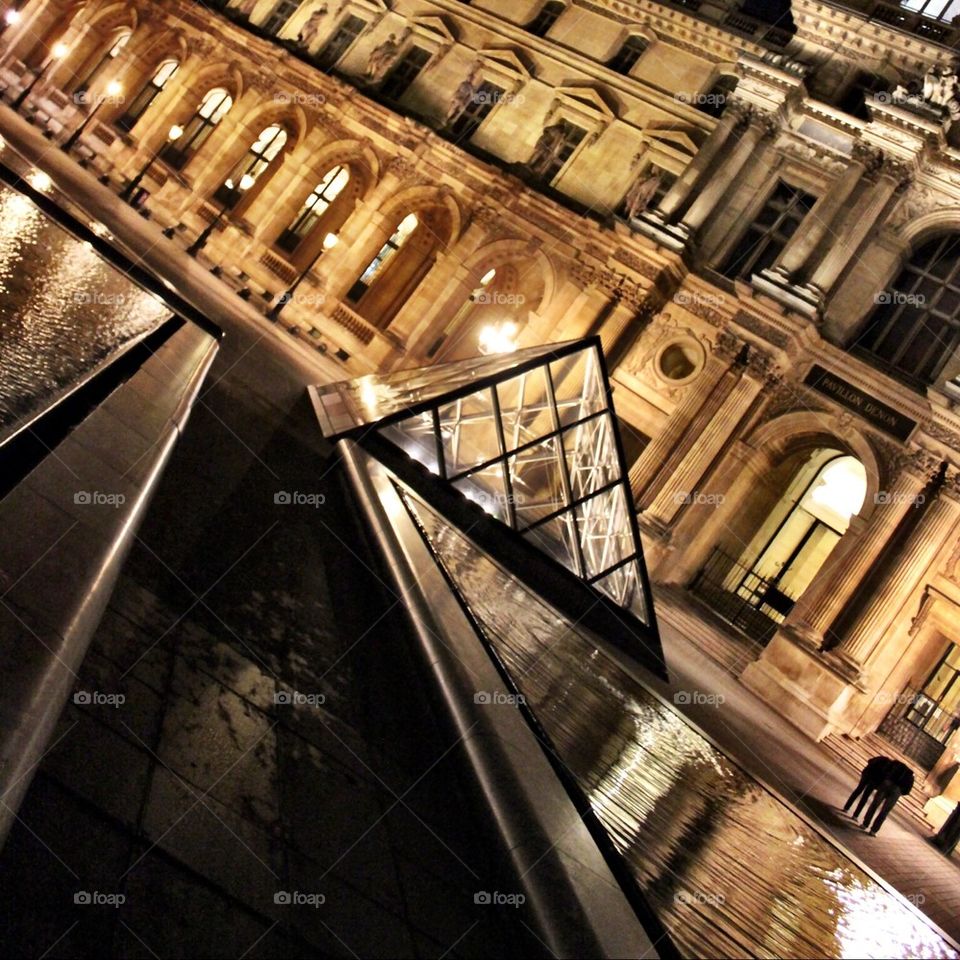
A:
[487,278]
[246,182]
[842,487]
[114,88]
[330,241]
[175,132]
[59,51]
[40,180]
[11,17]
[498,338]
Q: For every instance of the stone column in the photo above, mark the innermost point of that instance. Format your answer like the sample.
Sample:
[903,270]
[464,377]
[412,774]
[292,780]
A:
[703,162]
[682,483]
[867,207]
[689,418]
[759,127]
[901,579]
[824,216]
[854,556]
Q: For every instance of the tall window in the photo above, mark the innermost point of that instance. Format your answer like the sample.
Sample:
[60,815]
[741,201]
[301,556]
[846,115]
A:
[484,99]
[944,10]
[407,69]
[340,42]
[935,709]
[549,13]
[317,204]
[211,111]
[625,59]
[565,138]
[387,252]
[766,237]
[916,324]
[279,16]
[149,93]
[102,63]
[260,155]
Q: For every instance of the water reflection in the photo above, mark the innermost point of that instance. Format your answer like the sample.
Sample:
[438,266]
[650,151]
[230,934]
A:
[731,871]
[63,310]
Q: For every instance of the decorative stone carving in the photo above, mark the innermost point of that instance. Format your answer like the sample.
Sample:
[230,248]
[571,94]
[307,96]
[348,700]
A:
[727,346]
[644,267]
[918,202]
[640,195]
[767,331]
[312,26]
[936,93]
[464,93]
[382,58]
[547,147]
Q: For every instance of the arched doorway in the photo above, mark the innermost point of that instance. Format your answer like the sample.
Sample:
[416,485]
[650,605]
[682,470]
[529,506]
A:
[787,533]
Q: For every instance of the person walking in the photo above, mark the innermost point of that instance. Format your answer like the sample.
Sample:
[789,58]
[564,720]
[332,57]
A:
[896,783]
[870,777]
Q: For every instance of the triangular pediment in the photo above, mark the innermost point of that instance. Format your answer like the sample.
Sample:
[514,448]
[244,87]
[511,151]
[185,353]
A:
[435,26]
[507,60]
[587,98]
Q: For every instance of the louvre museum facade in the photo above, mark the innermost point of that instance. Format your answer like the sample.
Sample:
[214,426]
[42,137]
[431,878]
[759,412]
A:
[760,221]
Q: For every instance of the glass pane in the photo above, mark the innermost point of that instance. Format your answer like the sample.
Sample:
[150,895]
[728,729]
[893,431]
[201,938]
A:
[417,439]
[469,432]
[624,587]
[525,410]
[487,489]
[556,539]
[577,386]
[591,452]
[605,533]
[537,478]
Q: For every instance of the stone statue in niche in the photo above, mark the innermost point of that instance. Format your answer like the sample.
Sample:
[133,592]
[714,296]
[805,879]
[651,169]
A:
[312,26]
[462,96]
[382,58]
[641,194]
[939,88]
[547,147]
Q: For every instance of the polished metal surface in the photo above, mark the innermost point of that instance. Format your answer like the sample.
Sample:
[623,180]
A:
[63,311]
[730,869]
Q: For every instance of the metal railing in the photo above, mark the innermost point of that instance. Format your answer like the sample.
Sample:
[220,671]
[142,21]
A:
[918,726]
[751,603]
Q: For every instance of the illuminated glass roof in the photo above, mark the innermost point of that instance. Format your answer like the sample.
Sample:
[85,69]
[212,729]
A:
[531,437]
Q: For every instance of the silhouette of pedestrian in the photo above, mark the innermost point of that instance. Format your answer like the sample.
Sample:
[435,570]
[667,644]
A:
[896,783]
[870,777]
[947,837]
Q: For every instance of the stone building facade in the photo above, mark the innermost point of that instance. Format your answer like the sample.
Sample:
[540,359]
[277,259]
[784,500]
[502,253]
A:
[761,220]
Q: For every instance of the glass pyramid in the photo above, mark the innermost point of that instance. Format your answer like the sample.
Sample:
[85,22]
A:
[531,437]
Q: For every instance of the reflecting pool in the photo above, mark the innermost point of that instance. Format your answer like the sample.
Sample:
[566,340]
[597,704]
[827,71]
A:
[730,869]
[63,311]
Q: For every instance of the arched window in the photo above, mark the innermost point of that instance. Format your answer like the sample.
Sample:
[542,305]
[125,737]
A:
[198,128]
[316,205]
[149,93]
[387,252]
[100,65]
[261,154]
[549,14]
[916,324]
[625,59]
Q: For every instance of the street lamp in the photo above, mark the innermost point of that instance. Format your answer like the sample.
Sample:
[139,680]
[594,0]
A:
[10,19]
[59,51]
[246,182]
[329,242]
[175,133]
[114,89]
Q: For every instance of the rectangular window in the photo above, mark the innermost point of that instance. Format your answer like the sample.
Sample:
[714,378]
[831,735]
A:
[625,59]
[340,42]
[572,135]
[540,25]
[401,77]
[765,238]
[484,99]
[282,12]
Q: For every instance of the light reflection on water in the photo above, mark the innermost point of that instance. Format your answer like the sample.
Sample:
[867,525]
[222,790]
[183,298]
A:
[730,870]
[63,310]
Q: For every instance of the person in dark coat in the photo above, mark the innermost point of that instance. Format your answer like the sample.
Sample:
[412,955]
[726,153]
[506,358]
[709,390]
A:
[947,837]
[870,777]
[896,783]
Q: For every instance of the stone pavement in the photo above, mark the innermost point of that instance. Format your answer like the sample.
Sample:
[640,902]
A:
[805,773]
